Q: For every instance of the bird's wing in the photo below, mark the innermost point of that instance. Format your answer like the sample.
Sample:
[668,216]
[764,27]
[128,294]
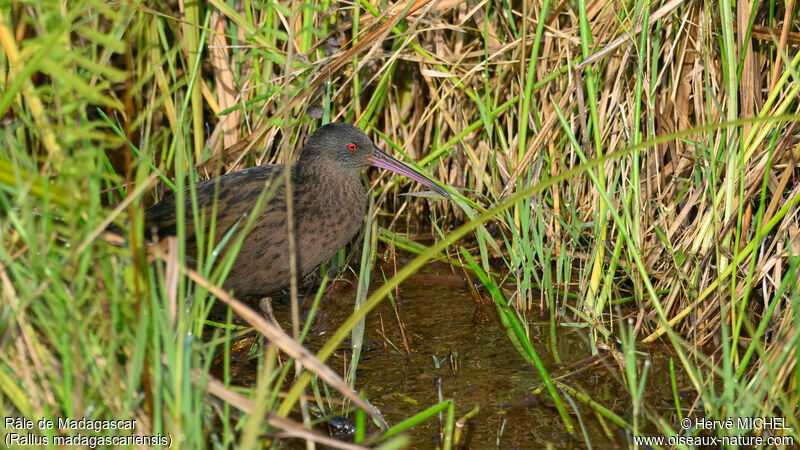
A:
[235,194]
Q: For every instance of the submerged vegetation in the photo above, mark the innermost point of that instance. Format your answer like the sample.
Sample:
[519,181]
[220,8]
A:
[627,169]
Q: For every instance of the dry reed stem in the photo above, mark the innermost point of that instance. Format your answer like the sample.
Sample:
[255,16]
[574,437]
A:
[291,429]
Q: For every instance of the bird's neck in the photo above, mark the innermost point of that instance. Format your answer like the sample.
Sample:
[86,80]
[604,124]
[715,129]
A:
[337,188]
[312,171]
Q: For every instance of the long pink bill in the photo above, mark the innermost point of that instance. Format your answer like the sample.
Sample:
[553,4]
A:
[384,161]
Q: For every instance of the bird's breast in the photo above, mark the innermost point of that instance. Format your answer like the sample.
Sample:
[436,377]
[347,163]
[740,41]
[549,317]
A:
[329,214]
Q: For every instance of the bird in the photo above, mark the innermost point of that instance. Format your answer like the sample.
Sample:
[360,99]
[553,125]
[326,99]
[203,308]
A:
[328,208]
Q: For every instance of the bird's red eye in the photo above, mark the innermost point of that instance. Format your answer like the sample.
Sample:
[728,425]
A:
[351,146]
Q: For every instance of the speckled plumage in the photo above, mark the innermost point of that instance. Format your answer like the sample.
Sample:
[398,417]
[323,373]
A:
[328,209]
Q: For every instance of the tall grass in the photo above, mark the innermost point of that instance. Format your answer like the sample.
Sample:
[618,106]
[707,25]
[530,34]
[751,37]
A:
[638,158]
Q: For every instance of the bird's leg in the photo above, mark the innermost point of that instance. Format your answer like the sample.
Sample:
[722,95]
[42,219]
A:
[266,307]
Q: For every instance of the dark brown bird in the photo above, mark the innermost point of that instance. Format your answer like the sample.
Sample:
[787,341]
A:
[329,206]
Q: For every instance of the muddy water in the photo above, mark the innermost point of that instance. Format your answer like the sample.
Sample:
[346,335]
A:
[456,348]
[477,365]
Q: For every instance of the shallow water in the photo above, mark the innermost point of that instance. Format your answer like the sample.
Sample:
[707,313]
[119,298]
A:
[442,323]
[440,320]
